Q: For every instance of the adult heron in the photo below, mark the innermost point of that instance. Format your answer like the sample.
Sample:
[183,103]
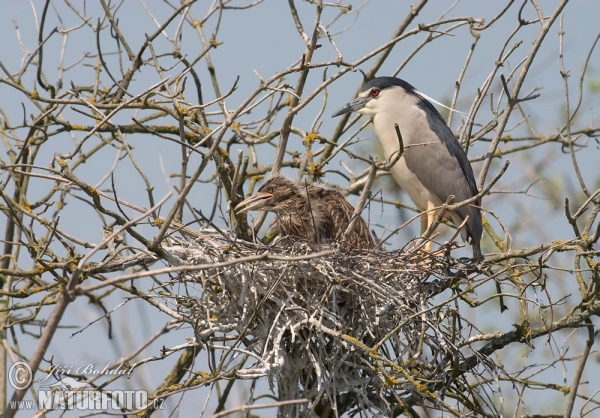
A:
[433,166]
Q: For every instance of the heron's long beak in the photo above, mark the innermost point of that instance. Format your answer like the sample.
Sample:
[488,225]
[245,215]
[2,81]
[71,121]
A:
[261,197]
[353,106]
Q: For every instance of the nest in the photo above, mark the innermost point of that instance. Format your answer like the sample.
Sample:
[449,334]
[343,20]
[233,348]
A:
[350,330]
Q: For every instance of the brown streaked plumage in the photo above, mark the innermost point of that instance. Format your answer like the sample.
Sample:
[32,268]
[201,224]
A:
[338,214]
[316,212]
[296,216]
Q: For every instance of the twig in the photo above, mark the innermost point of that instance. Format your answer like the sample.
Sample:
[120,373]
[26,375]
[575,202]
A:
[243,408]
[362,200]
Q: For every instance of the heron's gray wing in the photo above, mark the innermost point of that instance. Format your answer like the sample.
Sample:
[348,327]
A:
[444,169]
[441,129]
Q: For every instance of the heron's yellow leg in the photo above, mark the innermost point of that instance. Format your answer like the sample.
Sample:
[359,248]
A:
[428,217]
[423,223]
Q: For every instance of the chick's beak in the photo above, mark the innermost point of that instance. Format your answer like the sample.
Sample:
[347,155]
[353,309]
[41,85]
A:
[260,198]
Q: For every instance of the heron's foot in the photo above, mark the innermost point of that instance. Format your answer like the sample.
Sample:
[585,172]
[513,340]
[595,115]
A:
[472,261]
[424,256]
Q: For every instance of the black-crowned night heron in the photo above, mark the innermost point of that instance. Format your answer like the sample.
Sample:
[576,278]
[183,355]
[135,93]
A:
[316,212]
[433,166]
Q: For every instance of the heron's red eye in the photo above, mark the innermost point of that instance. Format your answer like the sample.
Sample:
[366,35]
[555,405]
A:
[374,92]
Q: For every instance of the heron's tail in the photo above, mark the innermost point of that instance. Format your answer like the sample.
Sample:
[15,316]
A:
[477,255]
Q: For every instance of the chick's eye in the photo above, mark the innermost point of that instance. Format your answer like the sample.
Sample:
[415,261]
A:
[374,92]
[270,190]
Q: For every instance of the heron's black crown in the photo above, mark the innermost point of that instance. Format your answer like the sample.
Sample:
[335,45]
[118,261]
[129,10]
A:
[385,82]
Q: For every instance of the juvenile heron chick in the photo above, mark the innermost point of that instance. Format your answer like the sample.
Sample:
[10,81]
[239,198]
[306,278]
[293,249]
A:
[433,166]
[338,215]
[316,213]
[295,216]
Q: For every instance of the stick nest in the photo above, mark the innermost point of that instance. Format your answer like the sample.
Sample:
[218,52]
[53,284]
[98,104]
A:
[349,329]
